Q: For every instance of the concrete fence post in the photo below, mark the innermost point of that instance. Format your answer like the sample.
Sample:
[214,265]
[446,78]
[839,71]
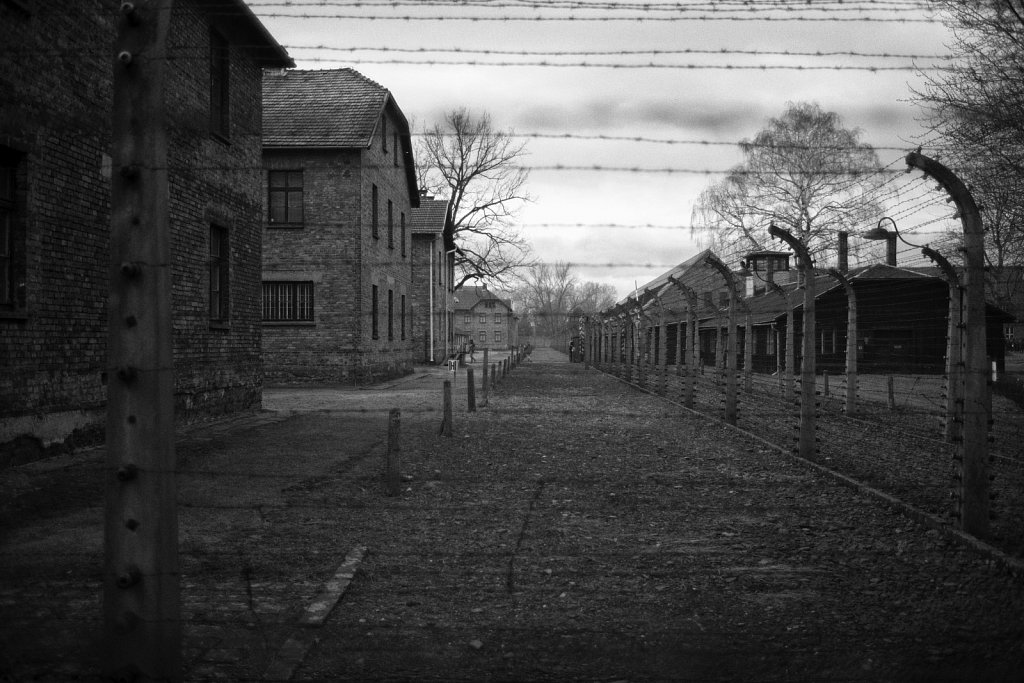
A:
[470,391]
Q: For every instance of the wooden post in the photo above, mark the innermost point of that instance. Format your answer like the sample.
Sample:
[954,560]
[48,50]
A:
[484,378]
[392,459]
[824,382]
[748,351]
[890,385]
[141,590]
[470,391]
[446,423]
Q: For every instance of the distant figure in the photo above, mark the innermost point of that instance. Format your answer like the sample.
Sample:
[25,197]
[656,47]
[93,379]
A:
[572,351]
[472,350]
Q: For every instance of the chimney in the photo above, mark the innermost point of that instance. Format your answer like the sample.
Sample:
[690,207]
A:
[890,249]
[844,251]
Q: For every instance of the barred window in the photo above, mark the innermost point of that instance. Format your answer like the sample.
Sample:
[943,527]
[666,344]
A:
[288,302]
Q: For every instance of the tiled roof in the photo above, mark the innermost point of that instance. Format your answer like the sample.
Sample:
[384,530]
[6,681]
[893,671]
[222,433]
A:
[430,217]
[335,108]
[470,296]
[679,271]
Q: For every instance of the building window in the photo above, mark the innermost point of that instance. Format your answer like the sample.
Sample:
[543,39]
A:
[483,318]
[497,337]
[219,274]
[770,343]
[481,336]
[401,234]
[374,201]
[285,197]
[220,67]
[288,302]
[391,315]
[12,234]
[374,313]
[468,319]
[497,318]
[401,314]
[827,340]
[391,225]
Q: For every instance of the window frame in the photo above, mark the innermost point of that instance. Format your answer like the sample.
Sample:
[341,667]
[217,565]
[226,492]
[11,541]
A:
[219,276]
[374,312]
[13,263]
[374,209]
[220,85]
[296,291]
[391,315]
[391,224]
[402,232]
[402,317]
[289,191]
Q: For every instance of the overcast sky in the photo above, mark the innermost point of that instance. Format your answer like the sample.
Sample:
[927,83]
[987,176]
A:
[666,104]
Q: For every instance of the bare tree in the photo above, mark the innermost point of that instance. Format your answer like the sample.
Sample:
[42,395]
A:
[552,298]
[546,294]
[804,172]
[976,106]
[479,168]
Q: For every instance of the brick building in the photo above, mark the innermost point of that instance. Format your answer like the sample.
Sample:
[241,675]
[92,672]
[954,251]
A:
[340,184]
[55,167]
[486,318]
[433,275]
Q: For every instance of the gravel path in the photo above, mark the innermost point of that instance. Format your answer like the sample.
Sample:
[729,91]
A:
[573,529]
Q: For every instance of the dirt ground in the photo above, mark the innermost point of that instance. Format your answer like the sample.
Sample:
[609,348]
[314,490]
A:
[572,529]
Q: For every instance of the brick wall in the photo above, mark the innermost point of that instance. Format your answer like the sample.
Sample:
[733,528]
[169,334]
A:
[424,248]
[56,66]
[335,249]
